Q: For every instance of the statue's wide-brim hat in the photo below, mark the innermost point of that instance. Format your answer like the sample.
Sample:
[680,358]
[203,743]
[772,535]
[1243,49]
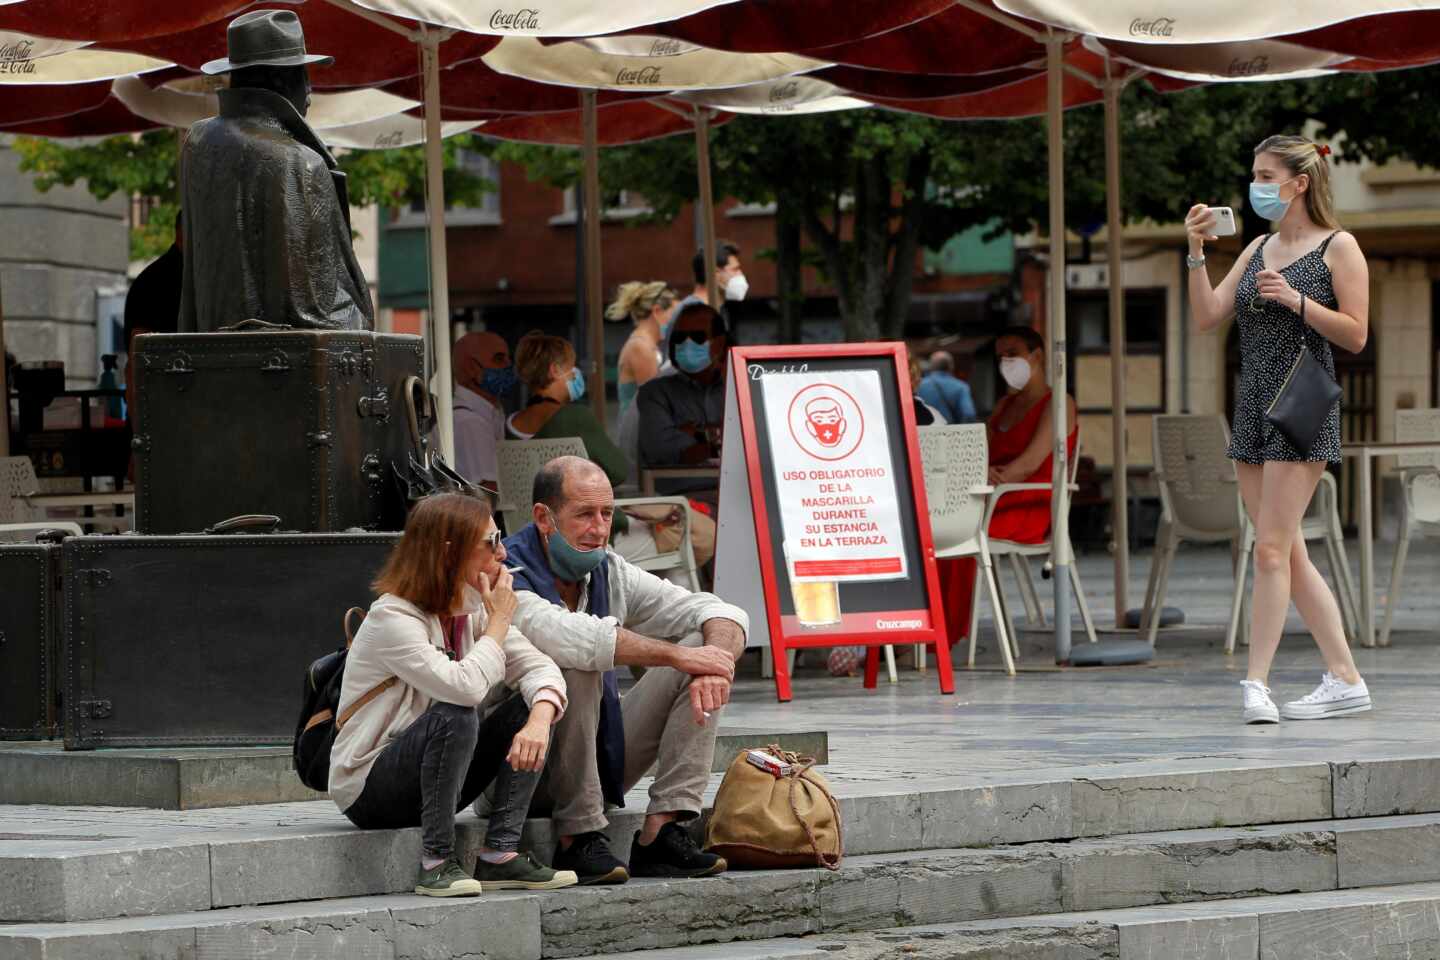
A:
[265,38]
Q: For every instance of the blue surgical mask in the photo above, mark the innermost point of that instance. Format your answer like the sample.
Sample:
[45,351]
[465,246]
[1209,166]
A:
[499,381]
[566,561]
[692,357]
[576,385]
[1265,200]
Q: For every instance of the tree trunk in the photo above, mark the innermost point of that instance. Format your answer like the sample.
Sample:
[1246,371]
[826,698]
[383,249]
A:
[907,245]
[789,282]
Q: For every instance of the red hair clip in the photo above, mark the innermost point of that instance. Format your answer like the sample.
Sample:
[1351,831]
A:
[1323,149]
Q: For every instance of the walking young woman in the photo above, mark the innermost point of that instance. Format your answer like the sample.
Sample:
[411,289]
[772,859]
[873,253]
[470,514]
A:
[1306,283]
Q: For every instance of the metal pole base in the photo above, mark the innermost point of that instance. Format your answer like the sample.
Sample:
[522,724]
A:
[1111,653]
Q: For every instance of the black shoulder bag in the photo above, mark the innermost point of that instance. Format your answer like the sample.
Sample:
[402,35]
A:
[1305,398]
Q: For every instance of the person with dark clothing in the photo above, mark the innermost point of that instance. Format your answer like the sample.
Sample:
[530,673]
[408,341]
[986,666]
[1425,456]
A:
[152,305]
[682,416]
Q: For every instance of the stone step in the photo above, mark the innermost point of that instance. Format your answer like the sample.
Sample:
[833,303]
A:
[868,893]
[1376,923]
[72,863]
[198,778]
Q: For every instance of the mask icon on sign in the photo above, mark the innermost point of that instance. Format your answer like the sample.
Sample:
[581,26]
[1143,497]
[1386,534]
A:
[825,421]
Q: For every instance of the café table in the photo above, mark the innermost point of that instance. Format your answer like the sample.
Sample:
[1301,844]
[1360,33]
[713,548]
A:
[698,472]
[1366,453]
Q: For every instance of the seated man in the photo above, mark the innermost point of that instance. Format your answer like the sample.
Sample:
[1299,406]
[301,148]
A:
[591,611]
[682,415]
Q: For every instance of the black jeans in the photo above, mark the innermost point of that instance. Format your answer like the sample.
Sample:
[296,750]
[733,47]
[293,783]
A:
[439,765]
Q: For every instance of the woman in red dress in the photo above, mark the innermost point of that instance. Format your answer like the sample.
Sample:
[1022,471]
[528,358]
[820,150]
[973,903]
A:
[1019,433]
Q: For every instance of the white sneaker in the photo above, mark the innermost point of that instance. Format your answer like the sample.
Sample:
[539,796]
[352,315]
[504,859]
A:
[1333,698]
[1259,708]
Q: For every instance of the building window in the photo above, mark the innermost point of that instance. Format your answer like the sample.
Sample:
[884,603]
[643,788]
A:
[487,213]
[1088,316]
[620,205]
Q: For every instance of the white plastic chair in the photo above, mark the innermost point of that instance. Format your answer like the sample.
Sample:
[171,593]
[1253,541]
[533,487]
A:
[1420,505]
[1019,554]
[1199,502]
[19,520]
[955,460]
[520,460]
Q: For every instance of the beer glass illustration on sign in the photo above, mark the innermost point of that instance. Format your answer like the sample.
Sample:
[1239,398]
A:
[817,604]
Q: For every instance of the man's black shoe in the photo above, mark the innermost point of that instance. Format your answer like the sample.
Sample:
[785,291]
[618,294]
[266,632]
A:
[590,857]
[673,854]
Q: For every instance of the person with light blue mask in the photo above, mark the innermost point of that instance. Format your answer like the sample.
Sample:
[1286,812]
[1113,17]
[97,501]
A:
[484,378]
[1299,290]
[649,306]
[682,415]
[546,365]
[591,611]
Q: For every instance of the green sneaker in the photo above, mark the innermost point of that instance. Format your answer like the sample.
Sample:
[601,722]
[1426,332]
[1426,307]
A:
[522,872]
[447,880]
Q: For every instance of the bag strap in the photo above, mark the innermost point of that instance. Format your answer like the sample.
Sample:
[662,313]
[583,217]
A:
[365,698]
[368,695]
[345,622]
[800,767]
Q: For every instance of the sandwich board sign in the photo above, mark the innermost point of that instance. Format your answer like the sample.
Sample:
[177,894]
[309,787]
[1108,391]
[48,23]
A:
[824,532]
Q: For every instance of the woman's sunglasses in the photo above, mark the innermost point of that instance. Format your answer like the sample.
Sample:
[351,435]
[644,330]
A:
[492,540]
[694,336]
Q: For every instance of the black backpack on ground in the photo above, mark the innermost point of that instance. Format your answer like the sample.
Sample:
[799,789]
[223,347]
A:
[315,731]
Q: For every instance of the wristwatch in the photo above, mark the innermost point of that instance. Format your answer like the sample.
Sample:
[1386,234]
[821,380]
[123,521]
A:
[1194,263]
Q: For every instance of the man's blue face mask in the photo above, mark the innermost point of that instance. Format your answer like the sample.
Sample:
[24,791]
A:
[692,357]
[567,561]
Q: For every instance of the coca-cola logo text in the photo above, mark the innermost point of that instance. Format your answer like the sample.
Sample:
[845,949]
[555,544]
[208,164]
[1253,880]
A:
[640,76]
[1253,67]
[515,20]
[785,91]
[392,139]
[666,47]
[16,57]
[1159,27]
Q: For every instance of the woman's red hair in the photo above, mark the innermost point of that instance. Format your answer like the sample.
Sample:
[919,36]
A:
[427,567]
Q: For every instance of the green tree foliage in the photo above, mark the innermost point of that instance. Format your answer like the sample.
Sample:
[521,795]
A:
[147,165]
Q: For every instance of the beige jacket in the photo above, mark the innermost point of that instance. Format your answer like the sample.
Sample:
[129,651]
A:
[399,640]
[639,601]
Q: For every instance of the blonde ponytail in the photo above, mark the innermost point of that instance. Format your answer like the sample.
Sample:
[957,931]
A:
[1301,155]
[636,299]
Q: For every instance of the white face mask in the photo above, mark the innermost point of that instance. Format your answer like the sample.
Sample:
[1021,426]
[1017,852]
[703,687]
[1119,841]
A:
[1016,371]
[736,287]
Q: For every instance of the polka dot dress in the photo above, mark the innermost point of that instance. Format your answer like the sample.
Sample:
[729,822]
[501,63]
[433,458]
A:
[1270,339]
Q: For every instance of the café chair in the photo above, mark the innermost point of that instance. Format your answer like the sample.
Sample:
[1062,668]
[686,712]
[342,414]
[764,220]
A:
[520,460]
[1420,505]
[19,521]
[1199,503]
[1020,554]
[955,460]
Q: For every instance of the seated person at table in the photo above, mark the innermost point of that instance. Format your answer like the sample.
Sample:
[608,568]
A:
[469,702]
[592,611]
[1019,433]
[682,415]
[547,367]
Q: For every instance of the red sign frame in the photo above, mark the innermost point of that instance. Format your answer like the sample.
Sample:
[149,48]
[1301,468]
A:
[783,639]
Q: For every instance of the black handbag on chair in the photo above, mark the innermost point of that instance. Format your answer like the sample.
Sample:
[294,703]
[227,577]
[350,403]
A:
[1303,402]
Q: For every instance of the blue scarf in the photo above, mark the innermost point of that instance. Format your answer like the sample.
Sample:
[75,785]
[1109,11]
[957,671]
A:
[525,549]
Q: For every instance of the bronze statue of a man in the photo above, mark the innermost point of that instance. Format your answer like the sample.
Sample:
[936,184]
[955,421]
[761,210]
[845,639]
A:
[267,219]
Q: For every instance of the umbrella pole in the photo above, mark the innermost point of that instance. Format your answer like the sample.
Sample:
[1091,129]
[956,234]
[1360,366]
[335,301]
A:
[440,332]
[707,203]
[1115,251]
[4,390]
[1060,474]
[594,297]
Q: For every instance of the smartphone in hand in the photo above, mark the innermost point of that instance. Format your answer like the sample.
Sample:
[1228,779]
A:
[1224,221]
